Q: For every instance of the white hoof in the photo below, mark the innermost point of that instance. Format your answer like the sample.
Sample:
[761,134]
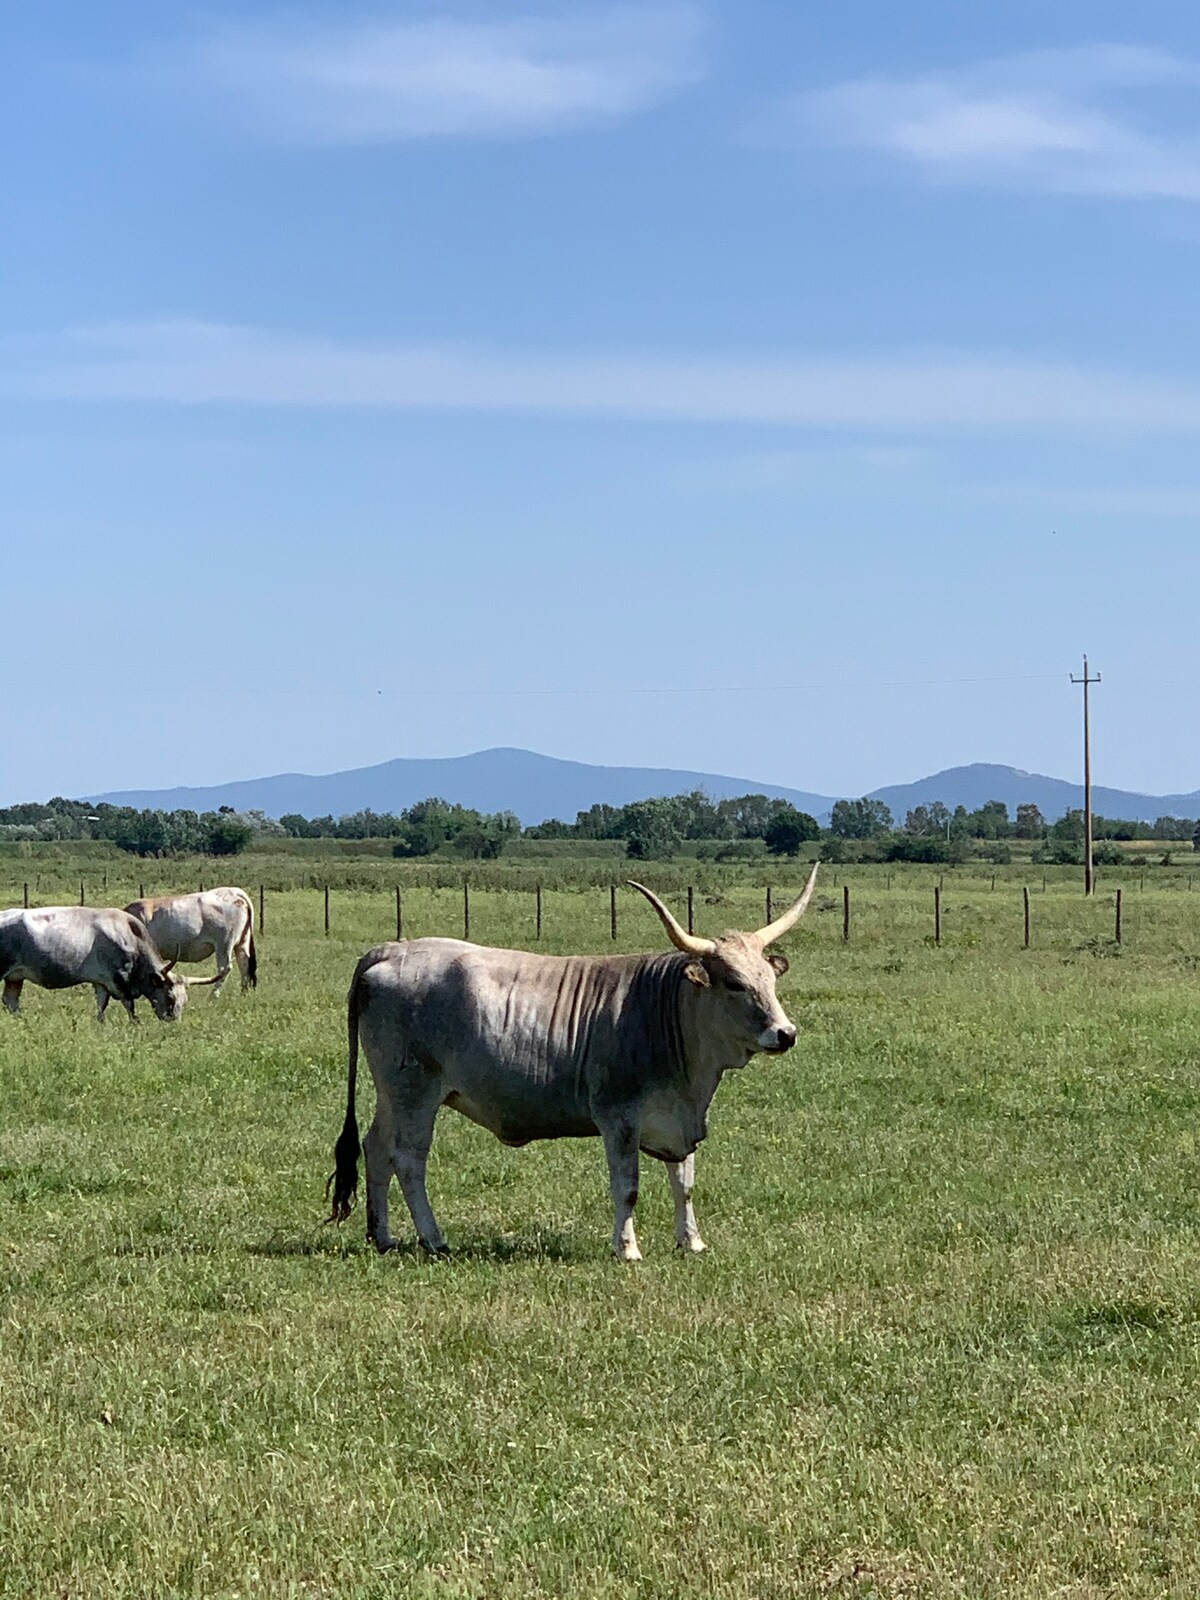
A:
[692,1245]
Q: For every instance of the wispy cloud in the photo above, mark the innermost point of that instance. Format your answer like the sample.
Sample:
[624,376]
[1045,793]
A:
[377,82]
[190,363]
[1063,121]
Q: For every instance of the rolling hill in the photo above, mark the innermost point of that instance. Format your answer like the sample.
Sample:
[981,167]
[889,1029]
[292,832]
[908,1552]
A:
[536,787]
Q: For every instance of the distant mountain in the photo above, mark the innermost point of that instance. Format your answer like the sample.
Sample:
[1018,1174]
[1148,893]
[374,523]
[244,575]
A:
[973,786]
[537,787]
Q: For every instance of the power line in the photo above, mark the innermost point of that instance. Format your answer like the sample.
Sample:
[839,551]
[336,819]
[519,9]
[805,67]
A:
[409,688]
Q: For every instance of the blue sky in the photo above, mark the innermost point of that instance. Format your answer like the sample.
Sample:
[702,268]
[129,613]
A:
[785,390]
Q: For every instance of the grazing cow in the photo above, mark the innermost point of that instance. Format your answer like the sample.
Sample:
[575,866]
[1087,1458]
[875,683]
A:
[192,927]
[59,946]
[630,1048]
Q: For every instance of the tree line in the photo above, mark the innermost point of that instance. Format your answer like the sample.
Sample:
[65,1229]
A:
[145,833]
[858,830]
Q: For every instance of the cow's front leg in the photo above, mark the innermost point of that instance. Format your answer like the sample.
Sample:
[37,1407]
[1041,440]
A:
[224,968]
[682,1175]
[120,990]
[621,1148]
[12,995]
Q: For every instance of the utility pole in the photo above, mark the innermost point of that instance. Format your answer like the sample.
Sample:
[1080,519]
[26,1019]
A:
[1086,681]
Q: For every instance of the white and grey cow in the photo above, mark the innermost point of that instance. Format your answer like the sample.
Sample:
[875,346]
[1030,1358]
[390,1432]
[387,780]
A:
[192,927]
[629,1048]
[60,946]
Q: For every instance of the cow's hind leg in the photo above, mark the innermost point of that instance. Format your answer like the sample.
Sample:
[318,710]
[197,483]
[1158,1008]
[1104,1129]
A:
[621,1148]
[682,1175]
[415,1107]
[414,1135]
[378,1161]
[102,999]
[12,995]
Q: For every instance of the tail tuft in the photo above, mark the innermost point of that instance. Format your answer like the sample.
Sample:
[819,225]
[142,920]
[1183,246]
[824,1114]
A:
[343,1180]
[252,965]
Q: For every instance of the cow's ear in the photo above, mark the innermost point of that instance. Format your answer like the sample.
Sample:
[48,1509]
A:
[780,963]
[696,972]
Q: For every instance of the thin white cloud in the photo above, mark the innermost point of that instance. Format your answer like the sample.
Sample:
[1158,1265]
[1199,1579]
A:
[189,363]
[378,82]
[1057,121]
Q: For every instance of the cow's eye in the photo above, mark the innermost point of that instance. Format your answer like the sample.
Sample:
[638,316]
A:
[734,986]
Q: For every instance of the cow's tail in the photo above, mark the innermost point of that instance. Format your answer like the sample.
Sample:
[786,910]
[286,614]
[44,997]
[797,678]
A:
[251,979]
[342,1184]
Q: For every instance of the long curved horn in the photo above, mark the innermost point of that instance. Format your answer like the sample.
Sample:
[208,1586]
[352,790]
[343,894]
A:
[687,942]
[791,916]
[168,966]
[198,983]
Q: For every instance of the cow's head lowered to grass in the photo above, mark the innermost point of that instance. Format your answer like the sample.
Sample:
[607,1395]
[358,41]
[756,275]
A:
[737,976]
[154,979]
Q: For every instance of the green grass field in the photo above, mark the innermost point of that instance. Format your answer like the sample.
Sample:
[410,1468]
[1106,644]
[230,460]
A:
[944,1342]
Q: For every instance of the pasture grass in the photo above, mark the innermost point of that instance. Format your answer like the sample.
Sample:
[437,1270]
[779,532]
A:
[944,1342]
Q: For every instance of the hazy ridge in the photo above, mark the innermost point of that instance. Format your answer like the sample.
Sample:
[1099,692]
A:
[536,787]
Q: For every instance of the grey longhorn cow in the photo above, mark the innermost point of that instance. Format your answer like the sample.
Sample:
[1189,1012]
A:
[192,927]
[60,946]
[629,1048]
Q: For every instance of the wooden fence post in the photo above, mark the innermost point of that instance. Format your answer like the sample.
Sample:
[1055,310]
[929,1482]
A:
[612,909]
[27,897]
[399,914]
[262,909]
[770,914]
[327,911]
[1025,892]
[691,910]
[466,909]
[937,914]
[81,891]
[141,891]
[1118,926]
[539,911]
[846,912]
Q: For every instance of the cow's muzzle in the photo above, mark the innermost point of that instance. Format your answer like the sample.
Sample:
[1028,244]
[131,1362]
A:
[775,1041]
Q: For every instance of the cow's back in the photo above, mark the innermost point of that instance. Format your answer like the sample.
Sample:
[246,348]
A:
[57,946]
[184,926]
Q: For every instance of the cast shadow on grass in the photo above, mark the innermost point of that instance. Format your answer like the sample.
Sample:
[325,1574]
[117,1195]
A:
[1124,1315]
[1106,1328]
[540,1245]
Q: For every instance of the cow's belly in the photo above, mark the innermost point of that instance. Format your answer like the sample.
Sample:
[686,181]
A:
[521,1123]
[187,950]
[48,974]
